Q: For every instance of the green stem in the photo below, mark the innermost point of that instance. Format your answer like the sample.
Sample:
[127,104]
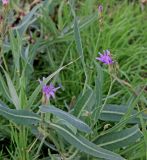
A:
[72,156]
[40,146]
[86,80]
[108,94]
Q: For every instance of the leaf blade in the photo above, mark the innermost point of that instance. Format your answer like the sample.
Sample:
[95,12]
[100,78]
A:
[85,145]
[23,117]
[116,112]
[66,116]
[119,139]
[12,90]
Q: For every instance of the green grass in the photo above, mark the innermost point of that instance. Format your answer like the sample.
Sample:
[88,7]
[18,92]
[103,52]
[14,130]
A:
[61,33]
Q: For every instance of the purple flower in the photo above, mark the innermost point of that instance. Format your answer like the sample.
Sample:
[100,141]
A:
[48,90]
[5,2]
[100,9]
[105,57]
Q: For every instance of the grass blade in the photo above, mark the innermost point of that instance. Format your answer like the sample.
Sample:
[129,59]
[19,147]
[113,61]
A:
[79,43]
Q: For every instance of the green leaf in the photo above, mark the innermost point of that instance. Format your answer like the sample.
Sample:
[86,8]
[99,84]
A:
[85,101]
[66,116]
[26,62]
[19,116]
[119,139]
[77,36]
[67,33]
[115,112]
[98,93]
[27,20]
[60,17]
[48,24]
[39,135]
[65,124]
[98,85]
[4,89]
[16,47]
[12,90]
[83,23]
[79,43]
[84,145]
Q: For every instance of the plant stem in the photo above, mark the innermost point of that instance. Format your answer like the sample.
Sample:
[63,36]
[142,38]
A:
[108,94]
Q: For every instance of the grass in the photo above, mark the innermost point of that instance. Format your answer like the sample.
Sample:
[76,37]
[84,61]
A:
[48,41]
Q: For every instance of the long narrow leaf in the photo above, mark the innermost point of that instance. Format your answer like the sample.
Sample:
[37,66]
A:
[40,136]
[84,101]
[16,47]
[4,89]
[98,92]
[78,42]
[12,90]
[66,116]
[19,116]
[116,112]
[86,146]
[119,139]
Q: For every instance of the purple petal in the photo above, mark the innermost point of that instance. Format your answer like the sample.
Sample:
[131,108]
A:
[100,59]
[100,53]
[55,89]
[108,52]
[105,57]
[51,86]
[52,94]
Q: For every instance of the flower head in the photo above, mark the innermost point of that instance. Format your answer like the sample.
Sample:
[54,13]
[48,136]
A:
[105,57]
[100,9]
[5,2]
[48,90]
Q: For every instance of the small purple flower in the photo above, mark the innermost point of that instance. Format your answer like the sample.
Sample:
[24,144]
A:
[5,2]
[105,57]
[100,9]
[48,90]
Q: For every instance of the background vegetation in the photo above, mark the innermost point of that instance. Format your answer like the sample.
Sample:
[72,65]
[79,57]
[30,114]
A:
[60,40]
